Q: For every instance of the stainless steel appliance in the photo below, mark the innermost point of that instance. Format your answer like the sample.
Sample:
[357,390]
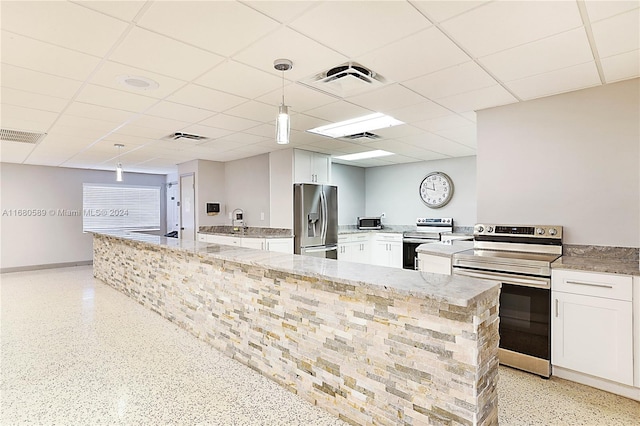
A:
[370,223]
[315,220]
[519,257]
[427,230]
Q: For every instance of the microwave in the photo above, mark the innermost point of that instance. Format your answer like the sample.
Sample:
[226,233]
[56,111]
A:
[369,223]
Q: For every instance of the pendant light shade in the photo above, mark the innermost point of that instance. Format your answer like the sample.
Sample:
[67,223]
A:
[119,176]
[283,125]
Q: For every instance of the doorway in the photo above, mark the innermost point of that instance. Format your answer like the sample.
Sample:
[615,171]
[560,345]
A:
[187,207]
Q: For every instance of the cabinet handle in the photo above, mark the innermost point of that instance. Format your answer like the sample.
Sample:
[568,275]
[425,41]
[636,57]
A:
[556,308]
[589,284]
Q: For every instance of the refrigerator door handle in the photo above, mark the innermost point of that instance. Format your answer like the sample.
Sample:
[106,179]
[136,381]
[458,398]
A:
[325,218]
[319,249]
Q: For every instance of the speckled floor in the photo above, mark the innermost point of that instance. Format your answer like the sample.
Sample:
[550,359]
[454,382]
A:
[76,352]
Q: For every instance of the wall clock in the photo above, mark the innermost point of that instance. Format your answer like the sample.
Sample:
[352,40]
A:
[436,190]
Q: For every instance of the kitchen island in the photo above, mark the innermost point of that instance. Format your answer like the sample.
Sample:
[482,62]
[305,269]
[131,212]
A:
[372,345]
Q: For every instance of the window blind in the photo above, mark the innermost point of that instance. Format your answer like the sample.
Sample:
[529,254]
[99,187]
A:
[113,207]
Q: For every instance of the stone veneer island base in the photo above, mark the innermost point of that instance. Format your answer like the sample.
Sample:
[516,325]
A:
[372,345]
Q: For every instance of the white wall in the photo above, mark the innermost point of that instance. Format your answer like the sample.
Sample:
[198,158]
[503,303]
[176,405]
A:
[209,178]
[50,240]
[247,188]
[394,190]
[281,188]
[569,160]
[350,181]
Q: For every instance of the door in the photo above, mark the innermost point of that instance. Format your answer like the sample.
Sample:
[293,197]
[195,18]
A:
[173,209]
[309,223]
[187,207]
[331,214]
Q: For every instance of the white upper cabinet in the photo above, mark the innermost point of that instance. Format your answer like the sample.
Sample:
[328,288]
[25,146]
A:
[311,167]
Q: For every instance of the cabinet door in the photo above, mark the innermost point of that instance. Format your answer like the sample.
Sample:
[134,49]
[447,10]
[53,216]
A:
[592,335]
[380,253]
[395,255]
[321,168]
[223,239]
[281,245]
[254,243]
[361,252]
[202,237]
[344,251]
[303,166]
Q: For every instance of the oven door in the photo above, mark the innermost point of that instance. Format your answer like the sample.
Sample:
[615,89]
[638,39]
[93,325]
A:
[409,255]
[525,320]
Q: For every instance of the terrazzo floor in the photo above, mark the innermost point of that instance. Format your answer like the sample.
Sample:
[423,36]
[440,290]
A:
[77,352]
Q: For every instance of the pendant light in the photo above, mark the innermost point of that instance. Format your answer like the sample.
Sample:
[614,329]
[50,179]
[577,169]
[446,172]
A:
[283,125]
[119,165]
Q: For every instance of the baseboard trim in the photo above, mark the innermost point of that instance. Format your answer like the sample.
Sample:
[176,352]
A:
[46,266]
[598,383]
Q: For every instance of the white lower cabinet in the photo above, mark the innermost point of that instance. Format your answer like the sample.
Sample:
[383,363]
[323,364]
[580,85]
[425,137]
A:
[355,247]
[434,263]
[387,250]
[224,239]
[281,245]
[592,324]
[254,243]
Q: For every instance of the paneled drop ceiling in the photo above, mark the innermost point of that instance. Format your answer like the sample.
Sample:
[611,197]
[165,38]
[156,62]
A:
[62,62]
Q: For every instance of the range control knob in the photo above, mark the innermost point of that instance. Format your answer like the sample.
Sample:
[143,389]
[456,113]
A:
[552,231]
[540,231]
[489,228]
[479,228]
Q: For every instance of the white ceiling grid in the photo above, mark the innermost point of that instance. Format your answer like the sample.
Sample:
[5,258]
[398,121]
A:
[213,60]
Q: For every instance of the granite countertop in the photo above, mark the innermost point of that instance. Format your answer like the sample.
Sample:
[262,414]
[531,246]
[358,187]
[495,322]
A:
[444,248]
[457,290]
[249,232]
[592,264]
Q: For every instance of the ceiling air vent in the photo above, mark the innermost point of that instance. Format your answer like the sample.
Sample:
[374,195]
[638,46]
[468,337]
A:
[21,136]
[346,80]
[362,137]
[180,135]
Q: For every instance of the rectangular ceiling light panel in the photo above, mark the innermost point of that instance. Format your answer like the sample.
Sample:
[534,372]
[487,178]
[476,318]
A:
[356,125]
[364,155]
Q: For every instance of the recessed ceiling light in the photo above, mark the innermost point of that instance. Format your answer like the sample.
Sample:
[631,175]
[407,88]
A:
[356,125]
[137,82]
[364,155]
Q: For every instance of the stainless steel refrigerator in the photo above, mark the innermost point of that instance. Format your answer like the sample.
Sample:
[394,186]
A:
[315,220]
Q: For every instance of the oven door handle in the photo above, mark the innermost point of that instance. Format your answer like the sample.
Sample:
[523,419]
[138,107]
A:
[541,282]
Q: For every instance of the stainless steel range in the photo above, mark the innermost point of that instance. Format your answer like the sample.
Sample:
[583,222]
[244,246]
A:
[427,230]
[519,257]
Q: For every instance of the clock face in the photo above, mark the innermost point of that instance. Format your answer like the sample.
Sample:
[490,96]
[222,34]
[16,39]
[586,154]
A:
[436,189]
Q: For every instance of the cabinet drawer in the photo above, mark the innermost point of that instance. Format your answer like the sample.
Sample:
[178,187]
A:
[592,284]
[390,238]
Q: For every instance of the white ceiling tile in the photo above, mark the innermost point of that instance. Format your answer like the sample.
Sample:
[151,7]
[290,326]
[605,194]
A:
[599,9]
[109,72]
[63,141]
[440,11]
[164,124]
[254,110]
[621,67]
[205,98]
[419,112]
[118,99]
[240,79]
[42,118]
[208,24]
[552,53]
[431,155]
[281,11]
[502,25]
[339,111]
[267,130]
[450,121]
[451,81]
[39,56]
[289,44]
[387,98]
[558,81]
[90,124]
[69,134]
[52,159]
[21,123]
[153,52]
[399,61]
[297,97]
[117,137]
[469,115]
[206,131]
[178,112]
[123,9]
[398,131]
[440,145]
[228,122]
[143,132]
[82,109]
[478,99]
[618,34]
[37,82]
[14,152]
[305,122]
[59,23]
[32,100]
[360,26]
[240,138]
[465,135]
